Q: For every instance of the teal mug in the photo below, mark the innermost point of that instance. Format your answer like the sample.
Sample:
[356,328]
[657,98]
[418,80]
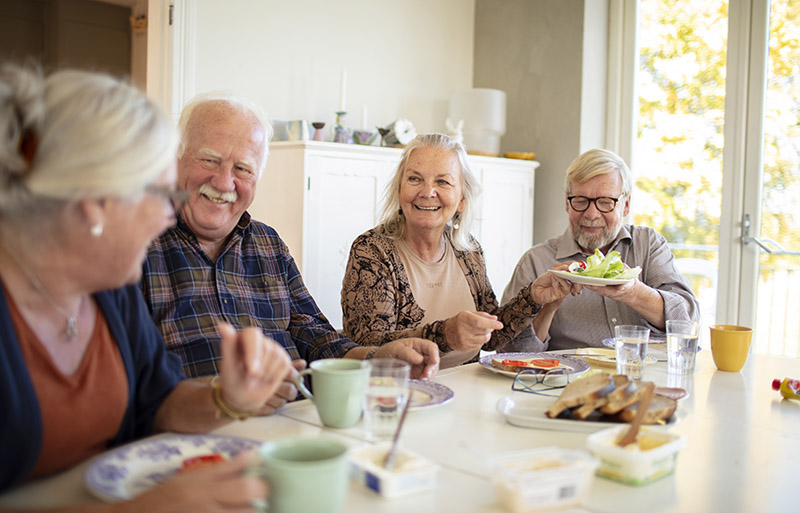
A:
[339,386]
[305,475]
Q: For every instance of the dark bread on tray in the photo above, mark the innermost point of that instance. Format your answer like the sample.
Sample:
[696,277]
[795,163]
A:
[661,408]
[589,390]
[602,397]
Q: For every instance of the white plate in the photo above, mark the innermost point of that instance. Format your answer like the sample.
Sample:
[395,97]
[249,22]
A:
[605,357]
[132,469]
[589,280]
[523,411]
[425,394]
[574,365]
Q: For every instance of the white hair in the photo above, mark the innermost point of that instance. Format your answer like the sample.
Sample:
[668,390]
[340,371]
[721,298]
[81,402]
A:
[75,135]
[597,162]
[394,224]
[235,101]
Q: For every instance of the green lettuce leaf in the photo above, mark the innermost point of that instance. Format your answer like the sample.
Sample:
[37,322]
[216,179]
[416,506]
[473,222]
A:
[606,266]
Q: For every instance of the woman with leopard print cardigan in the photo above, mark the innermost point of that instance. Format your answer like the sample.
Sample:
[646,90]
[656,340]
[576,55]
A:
[421,274]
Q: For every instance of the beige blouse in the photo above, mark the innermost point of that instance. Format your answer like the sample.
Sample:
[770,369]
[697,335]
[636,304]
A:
[378,304]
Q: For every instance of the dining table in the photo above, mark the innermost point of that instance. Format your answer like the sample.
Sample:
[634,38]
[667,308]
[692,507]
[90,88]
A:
[741,453]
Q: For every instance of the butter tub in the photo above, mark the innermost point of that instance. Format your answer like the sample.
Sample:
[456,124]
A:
[651,457]
[542,479]
[410,474]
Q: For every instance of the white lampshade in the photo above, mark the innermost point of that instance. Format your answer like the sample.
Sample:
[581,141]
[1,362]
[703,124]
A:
[484,115]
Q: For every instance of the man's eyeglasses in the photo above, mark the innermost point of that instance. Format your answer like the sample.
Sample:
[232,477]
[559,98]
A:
[176,197]
[603,204]
[534,381]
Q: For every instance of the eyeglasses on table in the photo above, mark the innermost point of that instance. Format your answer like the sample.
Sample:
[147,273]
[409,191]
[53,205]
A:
[547,383]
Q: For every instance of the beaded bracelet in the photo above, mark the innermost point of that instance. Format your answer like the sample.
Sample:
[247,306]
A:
[371,353]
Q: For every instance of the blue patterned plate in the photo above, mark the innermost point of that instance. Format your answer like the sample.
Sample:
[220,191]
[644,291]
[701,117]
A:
[425,394]
[127,471]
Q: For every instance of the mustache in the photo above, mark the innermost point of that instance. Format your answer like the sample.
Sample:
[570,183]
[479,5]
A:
[593,224]
[213,193]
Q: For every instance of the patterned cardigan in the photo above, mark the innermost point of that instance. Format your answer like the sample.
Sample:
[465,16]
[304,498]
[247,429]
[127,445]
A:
[378,305]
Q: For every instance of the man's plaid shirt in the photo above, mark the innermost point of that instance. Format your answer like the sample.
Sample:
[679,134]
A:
[254,282]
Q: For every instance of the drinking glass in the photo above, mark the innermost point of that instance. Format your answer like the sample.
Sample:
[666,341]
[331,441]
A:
[681,346]
[386,395]
[631,349]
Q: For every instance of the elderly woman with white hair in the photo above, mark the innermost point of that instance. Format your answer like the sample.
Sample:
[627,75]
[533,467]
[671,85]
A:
[420,273]
[87,180]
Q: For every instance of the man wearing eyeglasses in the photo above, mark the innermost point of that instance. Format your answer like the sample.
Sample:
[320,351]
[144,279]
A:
[598,189]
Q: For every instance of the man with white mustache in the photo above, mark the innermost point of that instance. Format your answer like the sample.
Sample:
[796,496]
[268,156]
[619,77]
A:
[219,264]
[598,189]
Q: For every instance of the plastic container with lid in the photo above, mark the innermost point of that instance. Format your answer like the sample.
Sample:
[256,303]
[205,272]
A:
[542,479]
[789,388]
[410,474]
[652,456]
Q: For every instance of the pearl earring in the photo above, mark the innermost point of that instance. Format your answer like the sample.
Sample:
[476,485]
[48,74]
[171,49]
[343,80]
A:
[96,230]
[457,221]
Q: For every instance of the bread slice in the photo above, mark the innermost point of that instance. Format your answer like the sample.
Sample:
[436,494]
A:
[627,393]
[661,408]
[624,394]
[581,392]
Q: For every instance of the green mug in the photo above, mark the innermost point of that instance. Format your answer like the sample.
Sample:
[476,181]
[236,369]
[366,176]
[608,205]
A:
[339,387]
[305,475]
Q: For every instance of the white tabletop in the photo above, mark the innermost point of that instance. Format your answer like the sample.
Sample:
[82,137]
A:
[741,455]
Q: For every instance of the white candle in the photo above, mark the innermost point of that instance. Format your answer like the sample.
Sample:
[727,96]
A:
[364,117]
[343,92]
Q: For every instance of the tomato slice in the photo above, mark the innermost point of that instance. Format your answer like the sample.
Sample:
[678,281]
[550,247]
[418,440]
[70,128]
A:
[547,363]
[201,461]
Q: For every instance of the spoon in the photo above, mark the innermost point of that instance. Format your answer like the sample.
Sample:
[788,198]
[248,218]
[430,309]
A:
[641,409]
[388,462]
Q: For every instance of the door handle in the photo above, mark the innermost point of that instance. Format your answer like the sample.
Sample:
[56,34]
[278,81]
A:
[763,243]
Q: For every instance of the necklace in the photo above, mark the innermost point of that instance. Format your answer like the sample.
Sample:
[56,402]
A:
[71,331]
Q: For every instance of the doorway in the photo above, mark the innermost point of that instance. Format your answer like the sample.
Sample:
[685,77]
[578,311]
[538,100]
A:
[717,149]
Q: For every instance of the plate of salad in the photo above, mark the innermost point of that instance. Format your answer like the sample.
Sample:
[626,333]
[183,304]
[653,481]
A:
[599,270]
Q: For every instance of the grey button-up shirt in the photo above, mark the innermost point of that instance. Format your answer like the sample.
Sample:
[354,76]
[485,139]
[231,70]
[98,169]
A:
[585,320]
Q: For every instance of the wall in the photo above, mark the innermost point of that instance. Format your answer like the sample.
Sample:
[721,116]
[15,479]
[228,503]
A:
[549,57]
[67,33]
[403,59]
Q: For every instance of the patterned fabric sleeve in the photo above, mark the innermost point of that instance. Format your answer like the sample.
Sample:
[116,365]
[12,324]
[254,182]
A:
[377,304]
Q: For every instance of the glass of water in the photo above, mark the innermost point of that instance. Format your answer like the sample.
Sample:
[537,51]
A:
[631,349]
[681,346]
[386,397]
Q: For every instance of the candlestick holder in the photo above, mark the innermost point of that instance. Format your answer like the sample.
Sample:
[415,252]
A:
[318,134]
[341,133]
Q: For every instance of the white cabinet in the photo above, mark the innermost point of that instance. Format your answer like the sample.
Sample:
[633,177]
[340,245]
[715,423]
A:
[320,196]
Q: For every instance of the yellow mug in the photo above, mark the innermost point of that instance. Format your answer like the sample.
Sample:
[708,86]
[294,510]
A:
[730,346]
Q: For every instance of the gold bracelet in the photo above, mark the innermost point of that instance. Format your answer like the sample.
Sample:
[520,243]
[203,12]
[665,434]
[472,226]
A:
[223,409]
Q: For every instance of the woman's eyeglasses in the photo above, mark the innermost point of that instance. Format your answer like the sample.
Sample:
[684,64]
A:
[176,197]
[603,204]
[534,381]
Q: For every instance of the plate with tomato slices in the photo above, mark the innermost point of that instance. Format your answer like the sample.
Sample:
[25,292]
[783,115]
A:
[510,363]
[125,472]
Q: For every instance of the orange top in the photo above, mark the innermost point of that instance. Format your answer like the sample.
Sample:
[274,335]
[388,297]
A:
[82,412]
